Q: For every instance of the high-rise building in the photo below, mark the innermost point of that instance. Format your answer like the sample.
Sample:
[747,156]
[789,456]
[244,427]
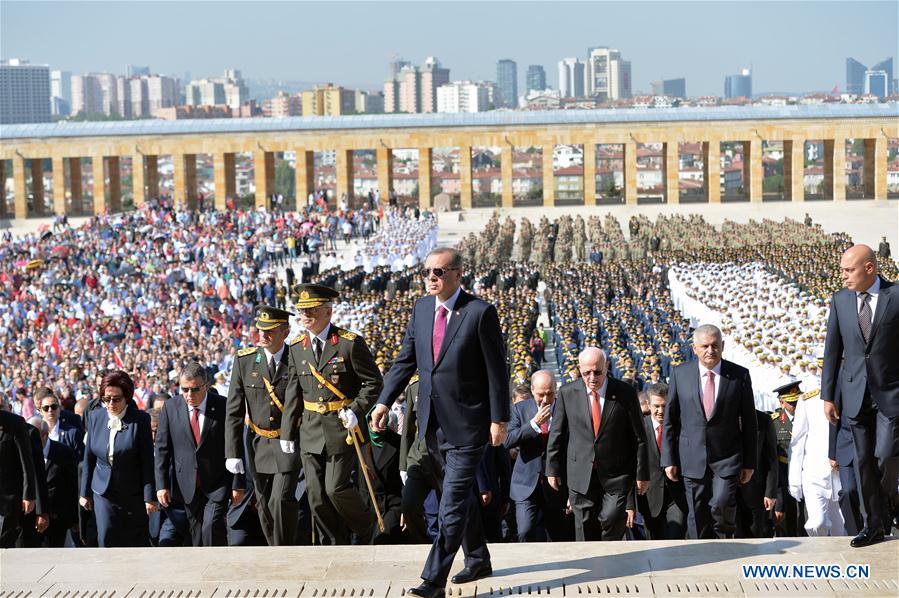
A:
[328,101]
[536,78]
[87,96]
[409,90]
[369,102]
[463,96]
[24,92]
[738,86]
[607,75]
[877,83]
[432,77]
[391,96]
[283,105]
[571,78]
[60,93]
[886,65]
[139,95]
[229,89]
[396,65]
[855,76]
[123,97]
[162,92]
[134,70]
[507,81]
[676,88]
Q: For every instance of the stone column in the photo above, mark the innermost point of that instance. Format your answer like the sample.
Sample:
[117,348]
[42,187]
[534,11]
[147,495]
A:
[138,184]
[152,176]
[506,173]
[590,174]
[385,170]
[549,177]
[876,168]
[264,175]
[20,201]
[190,181]
[835,169]
[57,165]
[671,172]
[75,182]
[344,165]
[305,176]
[115,184]
[424,178]
[711,170]
[753,171]
[37,187]
[98,171]
[794,170]
[220,178]
[630,173]
[178,183]
[465,176]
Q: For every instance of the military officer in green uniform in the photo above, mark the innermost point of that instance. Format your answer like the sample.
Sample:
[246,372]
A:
[333,382]
[256,399]
[420,475]
[786,509]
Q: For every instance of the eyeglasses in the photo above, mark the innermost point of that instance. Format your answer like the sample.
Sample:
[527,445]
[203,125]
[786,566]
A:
[113,400]
[191,389]
[438,272]
[597,373]
[49,408]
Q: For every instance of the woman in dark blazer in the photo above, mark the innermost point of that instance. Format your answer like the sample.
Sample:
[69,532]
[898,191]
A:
[117,476]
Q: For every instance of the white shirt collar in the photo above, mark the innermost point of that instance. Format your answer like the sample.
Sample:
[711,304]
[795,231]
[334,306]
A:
[268,356]
[873,290]
[601,393]
[322,336]
[450,303]
[201,407]
[716,370]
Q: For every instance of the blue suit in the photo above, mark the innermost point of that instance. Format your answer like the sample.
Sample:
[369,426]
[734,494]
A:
[119,489]
[461,391]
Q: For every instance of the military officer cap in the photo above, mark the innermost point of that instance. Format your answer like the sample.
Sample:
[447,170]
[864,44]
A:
[789,392]
[268,317]
[313,295]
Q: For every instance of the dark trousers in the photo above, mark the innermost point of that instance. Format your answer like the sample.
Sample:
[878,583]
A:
[121,522]
[670,523]
[336,504]
[420,482]
[55,535]
[712,504]
[458,525]
[876,439]
[599,514]
[9,529]
[850,504]
[206,519]
[541,516]
[277,506]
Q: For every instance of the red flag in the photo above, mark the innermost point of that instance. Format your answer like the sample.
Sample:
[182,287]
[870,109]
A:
[118,360]
[54,343]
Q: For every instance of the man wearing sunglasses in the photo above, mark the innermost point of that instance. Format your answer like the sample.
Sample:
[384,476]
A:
[60,430]
[454,341]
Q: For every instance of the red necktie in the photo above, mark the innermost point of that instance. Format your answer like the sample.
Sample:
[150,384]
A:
[544,433]
[195,424]
[439,331]
[596,414]
[659,437]
[708,394]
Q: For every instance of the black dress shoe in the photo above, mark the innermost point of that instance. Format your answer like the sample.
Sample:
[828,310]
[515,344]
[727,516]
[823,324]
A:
[866,537]
[472,573]
[427,590]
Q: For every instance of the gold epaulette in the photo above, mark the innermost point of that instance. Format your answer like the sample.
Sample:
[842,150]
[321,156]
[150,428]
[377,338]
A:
[350,336]
[413,379]
[247,351]
[811,393]
[298,339]
[775,415]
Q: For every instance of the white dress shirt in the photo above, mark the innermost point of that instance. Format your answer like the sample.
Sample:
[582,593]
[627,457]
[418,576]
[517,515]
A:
[269,356]
[702,378]
[202,409]
[601,395]
[874,291]
[449,304]
[54,432]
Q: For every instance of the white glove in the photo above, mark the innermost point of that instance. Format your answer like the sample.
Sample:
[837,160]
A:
[404,476]
[287,446]
[234,465]
[348,418]
[796,492]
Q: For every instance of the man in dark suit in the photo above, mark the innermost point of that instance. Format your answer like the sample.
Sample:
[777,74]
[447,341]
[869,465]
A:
[454,341]
[664,506]
[62,489]
[860,357]
[18,482]
[756,498]
[710,434]
[191,435]
[36,523]
[598,442]
[539,509]
[256,399]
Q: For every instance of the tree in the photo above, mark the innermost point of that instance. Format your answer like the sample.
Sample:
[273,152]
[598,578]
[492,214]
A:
[285,179]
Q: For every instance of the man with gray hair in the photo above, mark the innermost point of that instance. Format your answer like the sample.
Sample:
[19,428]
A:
[597,439]
[709,434]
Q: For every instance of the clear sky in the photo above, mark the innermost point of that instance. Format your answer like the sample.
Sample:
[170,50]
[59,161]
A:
[791,46]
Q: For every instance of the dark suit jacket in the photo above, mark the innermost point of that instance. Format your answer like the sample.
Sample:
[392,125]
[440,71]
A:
[764,480]
[130,476]
[618,454]
[175,445]
[531,461]
[72,436]
[41,500]
[17,478]
[468,386]
[727,441]
[62,484]
[652,502]
[855,366]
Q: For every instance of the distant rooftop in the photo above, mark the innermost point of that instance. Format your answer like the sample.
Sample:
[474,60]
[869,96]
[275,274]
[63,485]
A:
[500,118]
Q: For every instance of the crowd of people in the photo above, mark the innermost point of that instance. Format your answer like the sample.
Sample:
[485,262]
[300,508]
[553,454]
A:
[156,291]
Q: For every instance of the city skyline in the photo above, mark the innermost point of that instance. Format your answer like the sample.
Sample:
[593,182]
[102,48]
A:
[658,38]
